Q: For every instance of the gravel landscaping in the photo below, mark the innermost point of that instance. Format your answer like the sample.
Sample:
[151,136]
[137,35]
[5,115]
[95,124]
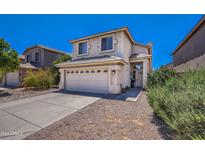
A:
[8,94]
[108,119]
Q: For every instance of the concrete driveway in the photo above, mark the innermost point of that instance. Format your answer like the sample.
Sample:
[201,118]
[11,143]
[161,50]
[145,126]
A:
[23,117]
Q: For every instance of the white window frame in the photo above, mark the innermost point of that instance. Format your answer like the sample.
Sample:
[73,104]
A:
[113,43]
[85,54]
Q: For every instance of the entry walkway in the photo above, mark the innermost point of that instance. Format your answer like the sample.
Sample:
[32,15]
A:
[130,95]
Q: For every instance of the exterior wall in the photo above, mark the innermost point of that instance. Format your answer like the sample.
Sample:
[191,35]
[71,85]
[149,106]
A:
[94,47]
[122,49]
[145,72]
[193,48]
[46,57]
[62,78]
[192,64]
[127,45]
[32,52]
[49,58]
[137,49]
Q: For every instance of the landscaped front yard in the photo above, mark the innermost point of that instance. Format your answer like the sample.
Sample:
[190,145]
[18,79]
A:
[108,119]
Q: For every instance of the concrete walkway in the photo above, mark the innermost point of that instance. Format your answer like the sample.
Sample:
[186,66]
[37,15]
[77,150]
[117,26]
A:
[23,117]
[131,95]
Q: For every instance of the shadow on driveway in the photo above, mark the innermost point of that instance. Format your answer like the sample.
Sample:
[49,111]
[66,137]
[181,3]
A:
[133,92]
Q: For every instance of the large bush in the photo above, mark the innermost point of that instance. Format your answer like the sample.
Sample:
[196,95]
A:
[181,104]
[159,77]
[41,79]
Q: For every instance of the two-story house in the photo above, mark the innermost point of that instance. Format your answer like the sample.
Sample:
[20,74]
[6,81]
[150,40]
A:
[33,58]
[106,62]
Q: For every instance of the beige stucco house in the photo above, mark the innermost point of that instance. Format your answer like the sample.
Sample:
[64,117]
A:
[106,62]
[33,58]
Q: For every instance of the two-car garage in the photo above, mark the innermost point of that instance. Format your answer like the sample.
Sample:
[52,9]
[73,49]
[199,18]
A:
[87,80]
[94,75]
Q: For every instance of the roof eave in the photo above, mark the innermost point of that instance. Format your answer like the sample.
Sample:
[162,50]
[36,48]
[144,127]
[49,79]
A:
[64,65]
[105,33]
[39,46]
[189,35]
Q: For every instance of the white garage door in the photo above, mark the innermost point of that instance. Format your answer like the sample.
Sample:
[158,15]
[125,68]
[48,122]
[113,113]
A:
[95,81]
[12,79]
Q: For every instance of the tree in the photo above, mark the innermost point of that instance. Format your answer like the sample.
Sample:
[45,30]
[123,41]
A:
[62,59]
[54,69]
[8,59]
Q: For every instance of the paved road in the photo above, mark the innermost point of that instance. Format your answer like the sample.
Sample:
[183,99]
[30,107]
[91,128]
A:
[23,117]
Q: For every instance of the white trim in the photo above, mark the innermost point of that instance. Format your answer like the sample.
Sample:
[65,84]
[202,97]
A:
[85,54]
[113,43]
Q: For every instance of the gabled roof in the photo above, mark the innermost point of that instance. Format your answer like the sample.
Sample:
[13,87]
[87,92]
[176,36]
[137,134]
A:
[189,35]
[46,48]
[125,29]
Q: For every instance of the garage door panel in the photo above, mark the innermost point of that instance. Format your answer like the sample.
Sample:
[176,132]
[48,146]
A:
[12,79]
[87,82]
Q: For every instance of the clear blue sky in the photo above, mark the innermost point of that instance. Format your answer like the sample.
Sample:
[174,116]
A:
[165,31]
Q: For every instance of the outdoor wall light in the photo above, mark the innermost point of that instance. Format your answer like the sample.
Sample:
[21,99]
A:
[113,72]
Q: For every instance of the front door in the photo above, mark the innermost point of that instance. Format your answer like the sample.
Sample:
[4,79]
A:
[139,78]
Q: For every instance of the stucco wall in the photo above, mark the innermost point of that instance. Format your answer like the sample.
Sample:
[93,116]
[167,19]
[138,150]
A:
[46,57]
[193,48]
[95,47]
[49,58]
[192,64]
[137,49]
[32,52]
[127,45]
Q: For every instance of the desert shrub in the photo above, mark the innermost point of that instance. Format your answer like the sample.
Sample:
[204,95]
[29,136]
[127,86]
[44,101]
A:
[180,103]
[159,77]
[41,79]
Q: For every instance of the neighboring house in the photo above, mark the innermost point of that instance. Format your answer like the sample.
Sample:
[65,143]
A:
[168,66]
[106,62]
[33,58]
[21,59]
[190,53]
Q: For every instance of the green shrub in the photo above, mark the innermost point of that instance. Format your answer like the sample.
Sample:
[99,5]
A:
[54,70]
[41,79]
[180,103]
[159,77]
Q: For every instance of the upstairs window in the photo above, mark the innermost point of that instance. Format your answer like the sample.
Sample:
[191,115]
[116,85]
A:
[82,48]
[37,56]
[28,58]
[107,43]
